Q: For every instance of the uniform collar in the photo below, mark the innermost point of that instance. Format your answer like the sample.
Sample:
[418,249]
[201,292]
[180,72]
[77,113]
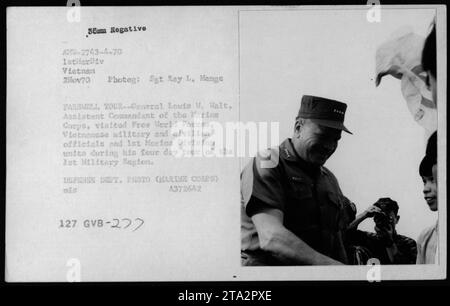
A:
[288,152]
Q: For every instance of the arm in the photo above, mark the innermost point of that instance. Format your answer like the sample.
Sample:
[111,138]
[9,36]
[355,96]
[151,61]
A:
[282,243]
[368,213]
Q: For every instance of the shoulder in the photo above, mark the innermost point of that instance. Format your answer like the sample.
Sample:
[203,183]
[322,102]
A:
[406,240]
[326,172]
[266,163]
[426,233]
[362,238]
[262,169]
[331,180]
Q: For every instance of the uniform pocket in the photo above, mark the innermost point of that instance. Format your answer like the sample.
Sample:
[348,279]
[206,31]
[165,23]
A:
[336,200]
[301,188]
[302,211]
[331,212]
[344,214]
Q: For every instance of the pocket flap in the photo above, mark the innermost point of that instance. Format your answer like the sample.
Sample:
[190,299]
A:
[335,199]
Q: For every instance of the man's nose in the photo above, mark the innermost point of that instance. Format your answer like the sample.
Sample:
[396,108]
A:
[426,188]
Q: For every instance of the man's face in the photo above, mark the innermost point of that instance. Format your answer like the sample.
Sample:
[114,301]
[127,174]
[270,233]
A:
[435,175]
[430,191]
[315,143]
[385,222]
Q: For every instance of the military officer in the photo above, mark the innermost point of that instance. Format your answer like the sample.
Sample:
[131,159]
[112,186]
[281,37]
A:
[292,209]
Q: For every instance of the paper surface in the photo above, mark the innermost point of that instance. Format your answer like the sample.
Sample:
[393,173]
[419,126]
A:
[94,107]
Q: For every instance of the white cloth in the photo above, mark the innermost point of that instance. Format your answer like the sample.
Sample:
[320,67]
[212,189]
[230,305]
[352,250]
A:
[401,57]
[427,246]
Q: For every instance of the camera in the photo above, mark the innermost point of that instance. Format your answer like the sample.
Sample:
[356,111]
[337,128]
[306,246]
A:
[381,218]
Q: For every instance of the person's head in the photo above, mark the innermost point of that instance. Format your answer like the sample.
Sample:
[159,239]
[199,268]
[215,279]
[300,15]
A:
[429,183]
[429,61]
[318,128]
[428,173]
[389,215]
[431,152]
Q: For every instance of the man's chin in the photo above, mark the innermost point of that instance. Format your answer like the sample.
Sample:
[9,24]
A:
[433,207]
[319,161]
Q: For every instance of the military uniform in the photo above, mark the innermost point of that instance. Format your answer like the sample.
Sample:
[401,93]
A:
[309,196]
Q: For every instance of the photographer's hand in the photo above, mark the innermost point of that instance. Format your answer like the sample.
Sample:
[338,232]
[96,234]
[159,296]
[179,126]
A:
[371,211]
[368,213]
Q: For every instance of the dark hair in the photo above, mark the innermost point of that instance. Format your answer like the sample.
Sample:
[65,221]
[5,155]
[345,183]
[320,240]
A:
[426,166]
[387,205]
[431,150]
[429,53]
[430,158]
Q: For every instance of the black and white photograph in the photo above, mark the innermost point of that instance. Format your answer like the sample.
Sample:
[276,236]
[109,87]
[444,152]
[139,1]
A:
[149,144]
[356,104]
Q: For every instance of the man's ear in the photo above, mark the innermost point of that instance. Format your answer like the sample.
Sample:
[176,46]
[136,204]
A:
[298,127]
[398,218]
